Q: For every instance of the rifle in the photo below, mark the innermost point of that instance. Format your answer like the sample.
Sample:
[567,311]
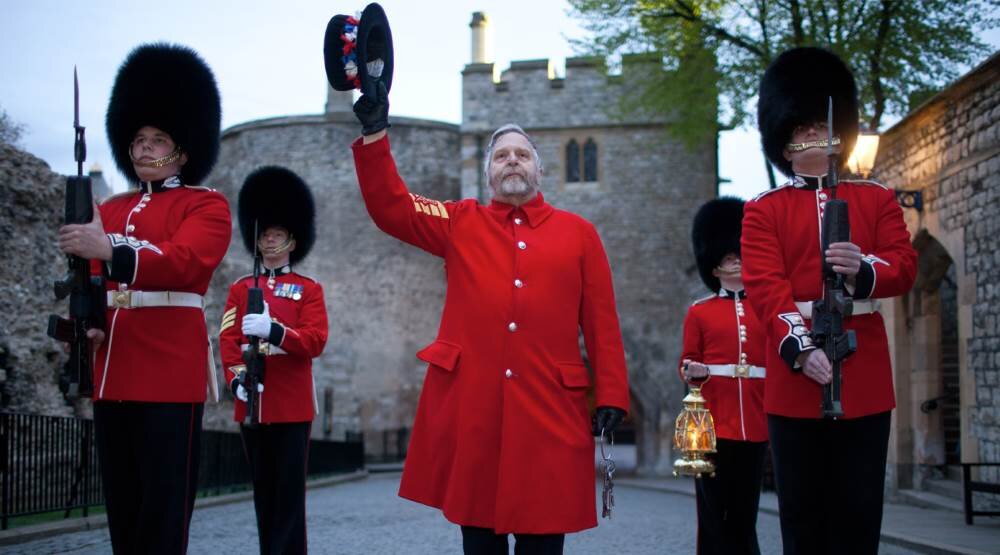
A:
[253,379]
[87,297]
[829,313]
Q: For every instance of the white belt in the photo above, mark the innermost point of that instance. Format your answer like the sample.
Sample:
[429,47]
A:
[736,370]
[860,307]
[267,348]
[129,298]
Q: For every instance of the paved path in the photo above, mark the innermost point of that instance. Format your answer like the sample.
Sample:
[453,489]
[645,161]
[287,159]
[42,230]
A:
[366,517]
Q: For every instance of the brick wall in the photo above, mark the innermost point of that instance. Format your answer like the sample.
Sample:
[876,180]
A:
[949,149]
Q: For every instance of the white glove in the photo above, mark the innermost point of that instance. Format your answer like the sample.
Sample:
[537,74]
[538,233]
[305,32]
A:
[241,393]
[258,325]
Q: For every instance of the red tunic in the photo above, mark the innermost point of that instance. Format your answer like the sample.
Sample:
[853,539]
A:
[163,239]
[782,264]
[502,435]
[300,335]
[712,336]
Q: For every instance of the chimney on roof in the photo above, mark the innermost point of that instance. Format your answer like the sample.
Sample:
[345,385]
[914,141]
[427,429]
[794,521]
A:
[482,46]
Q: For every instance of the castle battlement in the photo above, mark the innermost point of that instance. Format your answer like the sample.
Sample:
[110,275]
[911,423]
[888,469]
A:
[530,92]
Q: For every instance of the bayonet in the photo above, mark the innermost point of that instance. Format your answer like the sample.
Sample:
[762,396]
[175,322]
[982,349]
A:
[80,144]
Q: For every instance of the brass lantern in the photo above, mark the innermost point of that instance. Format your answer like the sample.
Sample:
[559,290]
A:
[694,436]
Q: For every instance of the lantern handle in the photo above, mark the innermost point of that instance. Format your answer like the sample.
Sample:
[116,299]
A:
[691,382]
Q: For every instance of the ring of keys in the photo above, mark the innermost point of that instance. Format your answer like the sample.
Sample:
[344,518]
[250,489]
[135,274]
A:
[608,472]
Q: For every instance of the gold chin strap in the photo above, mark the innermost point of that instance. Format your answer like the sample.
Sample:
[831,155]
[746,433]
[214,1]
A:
[276,250]
[799,147]
[159,162]
[731,269]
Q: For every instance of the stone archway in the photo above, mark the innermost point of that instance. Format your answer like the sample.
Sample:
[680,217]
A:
[933,378]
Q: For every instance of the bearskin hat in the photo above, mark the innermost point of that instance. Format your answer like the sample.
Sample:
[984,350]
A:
[715,233]
[171,88]
[351,44]
[276,196]
[795,90]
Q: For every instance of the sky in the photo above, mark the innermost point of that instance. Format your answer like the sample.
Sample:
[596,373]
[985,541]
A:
[268,61]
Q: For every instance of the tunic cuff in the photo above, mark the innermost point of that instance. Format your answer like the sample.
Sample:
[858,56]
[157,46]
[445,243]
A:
[124,255]
[277,334]
[864,282]
[796,341]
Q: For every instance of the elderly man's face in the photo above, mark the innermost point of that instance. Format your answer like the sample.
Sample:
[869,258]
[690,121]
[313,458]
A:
[513,171]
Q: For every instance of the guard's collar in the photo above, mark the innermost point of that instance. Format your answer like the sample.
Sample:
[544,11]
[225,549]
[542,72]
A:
[160,184]
[534,211]
[810,182]
[727,294]
[280,270]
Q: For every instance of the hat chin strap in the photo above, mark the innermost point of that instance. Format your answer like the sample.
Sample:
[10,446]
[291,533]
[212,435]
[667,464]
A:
[271,251]
[799,147]
[159,162]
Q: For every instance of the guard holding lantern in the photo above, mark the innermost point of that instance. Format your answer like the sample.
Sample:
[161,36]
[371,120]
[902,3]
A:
[724,355]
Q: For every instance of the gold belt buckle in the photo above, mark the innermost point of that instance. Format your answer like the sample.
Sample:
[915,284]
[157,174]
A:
[742,370]
[121,299]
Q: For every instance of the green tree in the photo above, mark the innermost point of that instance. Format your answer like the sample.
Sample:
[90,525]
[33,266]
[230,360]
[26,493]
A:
[898,49]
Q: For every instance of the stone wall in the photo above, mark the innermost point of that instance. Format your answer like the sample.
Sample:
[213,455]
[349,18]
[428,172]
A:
[383,298]
[31,206]
[648,189]
[949,150]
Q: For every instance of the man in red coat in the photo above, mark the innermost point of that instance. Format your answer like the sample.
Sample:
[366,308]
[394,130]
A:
[724,344]
[502,441]
[278,204]
[830,473]
[157,248]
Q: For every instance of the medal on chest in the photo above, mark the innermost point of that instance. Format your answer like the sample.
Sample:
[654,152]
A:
[291,291]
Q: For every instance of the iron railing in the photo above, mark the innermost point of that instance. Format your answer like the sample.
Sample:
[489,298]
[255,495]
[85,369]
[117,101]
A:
[49,463]
[387,446]
[970,486]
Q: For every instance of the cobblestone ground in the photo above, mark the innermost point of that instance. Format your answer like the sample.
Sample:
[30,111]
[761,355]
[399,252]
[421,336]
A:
[366,517]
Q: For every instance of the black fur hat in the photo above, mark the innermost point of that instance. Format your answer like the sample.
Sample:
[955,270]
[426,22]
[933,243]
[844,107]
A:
[171,88]
[276,196]
[715,233]
[350,44]
[795,91]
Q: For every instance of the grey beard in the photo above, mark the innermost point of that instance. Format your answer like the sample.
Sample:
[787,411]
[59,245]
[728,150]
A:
[516,185]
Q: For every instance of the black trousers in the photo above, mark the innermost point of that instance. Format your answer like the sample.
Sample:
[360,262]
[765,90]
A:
[278,455]
[830,476]
[484,541]
[727,503]
[148,454]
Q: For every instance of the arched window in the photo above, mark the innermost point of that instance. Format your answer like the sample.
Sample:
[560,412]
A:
[572,161]
[590,160]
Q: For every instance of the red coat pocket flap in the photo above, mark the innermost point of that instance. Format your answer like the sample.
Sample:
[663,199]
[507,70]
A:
[574,374]
[442,354]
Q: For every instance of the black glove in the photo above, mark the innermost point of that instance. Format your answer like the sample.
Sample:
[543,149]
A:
[373,112]
[607,418]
